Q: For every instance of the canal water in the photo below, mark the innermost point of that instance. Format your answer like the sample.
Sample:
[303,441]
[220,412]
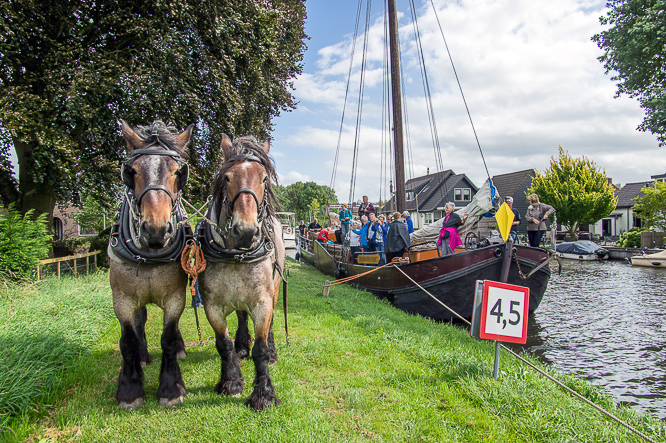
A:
[605,322]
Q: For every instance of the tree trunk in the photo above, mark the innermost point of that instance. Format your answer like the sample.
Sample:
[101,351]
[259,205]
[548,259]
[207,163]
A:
[37,196]
[573,231]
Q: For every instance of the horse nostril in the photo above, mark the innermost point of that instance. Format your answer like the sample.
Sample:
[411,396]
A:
[236,230]
[144,226]
[169,229]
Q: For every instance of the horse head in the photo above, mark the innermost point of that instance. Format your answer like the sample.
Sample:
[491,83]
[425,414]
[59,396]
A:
[243,190]
[155,173]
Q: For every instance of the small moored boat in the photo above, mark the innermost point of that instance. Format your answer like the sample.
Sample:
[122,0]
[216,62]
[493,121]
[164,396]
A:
[657,260]
[581,250]
[288,223]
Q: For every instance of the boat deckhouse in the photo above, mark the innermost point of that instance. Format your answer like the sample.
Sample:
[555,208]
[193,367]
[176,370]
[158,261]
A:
[427,195]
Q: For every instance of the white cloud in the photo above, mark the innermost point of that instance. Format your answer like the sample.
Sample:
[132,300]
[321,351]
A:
[531,79]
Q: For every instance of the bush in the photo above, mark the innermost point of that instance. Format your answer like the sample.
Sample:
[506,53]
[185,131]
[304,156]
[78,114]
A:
[70,246]
[631,239]
[23,242]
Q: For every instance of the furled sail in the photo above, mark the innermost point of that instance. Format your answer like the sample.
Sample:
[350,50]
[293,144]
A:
[484,201]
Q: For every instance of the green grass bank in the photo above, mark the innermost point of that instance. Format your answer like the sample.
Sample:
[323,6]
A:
[356,370]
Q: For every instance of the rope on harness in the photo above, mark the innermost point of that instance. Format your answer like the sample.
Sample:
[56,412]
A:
[193,263]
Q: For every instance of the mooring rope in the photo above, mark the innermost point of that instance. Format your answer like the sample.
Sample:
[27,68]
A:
[353,277]
[542,372]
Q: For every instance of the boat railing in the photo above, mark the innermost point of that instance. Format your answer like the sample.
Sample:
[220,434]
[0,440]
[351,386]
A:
[422,251]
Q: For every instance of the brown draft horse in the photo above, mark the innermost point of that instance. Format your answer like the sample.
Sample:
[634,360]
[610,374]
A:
[144,252]
[245,260]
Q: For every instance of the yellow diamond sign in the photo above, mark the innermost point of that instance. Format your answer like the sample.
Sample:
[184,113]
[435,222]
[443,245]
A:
[504,217]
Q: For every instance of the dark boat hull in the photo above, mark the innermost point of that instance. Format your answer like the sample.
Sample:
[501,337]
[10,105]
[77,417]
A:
[450,279]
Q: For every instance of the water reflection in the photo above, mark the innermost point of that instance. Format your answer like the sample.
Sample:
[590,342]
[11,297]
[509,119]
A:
[604,321]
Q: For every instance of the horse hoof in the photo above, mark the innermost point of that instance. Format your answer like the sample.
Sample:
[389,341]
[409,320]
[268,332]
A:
[143,364]
[232,388]
[259,402]
[181,355]
[171,403]
[136,404]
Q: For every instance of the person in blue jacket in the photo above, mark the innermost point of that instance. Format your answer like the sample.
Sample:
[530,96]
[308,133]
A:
[364,234]
[408,221]
[345,221]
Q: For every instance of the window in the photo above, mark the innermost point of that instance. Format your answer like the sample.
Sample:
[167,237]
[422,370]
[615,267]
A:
[428,218]
[409,196]
[57,228]
[85,231]
[462,194]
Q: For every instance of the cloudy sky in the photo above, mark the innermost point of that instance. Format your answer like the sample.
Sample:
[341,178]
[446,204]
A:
[529,72]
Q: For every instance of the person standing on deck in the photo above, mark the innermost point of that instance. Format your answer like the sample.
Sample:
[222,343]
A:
[355,240]
[449,238]
[535,216]
[364,233]
[345,220]
[365,208]
[408,222]
[516,218]
[397,239]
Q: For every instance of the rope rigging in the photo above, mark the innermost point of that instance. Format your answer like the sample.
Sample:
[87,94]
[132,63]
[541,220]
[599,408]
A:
[344,106]
[359,109]
[387,126]
[460,87]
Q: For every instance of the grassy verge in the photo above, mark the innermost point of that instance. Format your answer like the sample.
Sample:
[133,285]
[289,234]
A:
[356,370]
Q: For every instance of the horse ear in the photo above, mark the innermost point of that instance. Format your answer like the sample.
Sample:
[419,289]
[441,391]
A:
[133,141]
[184,138]
[226,146]
[183,174]
[127,174]
[267,145]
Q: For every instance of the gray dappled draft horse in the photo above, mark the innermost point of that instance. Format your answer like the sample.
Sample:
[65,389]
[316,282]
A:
[145,239]
[245,277]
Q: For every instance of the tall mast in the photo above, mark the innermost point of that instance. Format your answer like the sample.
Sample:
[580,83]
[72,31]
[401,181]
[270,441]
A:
[397,107]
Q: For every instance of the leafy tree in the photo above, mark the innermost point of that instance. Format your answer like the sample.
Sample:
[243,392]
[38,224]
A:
[651,205]
[23,242]
[69,69]
[635,49]
[579,192]
[299,197]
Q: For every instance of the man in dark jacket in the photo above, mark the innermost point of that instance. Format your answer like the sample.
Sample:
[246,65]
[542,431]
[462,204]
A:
[314,226]
[397,238]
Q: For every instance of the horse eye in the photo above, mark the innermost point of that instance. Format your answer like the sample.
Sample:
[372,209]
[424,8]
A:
[264,180]
[227,179]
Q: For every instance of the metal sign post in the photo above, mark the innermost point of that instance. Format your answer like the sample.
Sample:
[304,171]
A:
[500,314]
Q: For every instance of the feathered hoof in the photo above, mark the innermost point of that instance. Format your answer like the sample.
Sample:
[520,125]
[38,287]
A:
[181,355]
[230,387]
[259,401]
[136,404]
[242,353]
[165,402]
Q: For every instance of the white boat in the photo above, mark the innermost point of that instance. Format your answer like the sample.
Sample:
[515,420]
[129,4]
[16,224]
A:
[657,260]
[288,222]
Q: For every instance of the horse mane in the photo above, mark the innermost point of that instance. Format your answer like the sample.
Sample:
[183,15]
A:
[167,135]
[244,146]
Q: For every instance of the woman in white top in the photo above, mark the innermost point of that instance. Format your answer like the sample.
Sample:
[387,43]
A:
[355,240]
